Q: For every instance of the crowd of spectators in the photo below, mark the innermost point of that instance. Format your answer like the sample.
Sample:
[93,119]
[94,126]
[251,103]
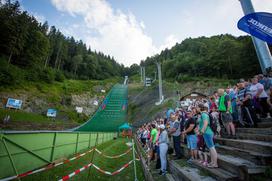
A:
[197,124]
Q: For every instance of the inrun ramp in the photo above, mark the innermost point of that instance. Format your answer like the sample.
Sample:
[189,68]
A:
[111,114]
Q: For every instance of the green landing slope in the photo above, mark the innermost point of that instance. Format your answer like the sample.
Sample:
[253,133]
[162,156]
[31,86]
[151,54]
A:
[111,114]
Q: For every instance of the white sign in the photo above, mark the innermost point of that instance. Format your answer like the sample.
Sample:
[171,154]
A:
[103,91]
[79,109]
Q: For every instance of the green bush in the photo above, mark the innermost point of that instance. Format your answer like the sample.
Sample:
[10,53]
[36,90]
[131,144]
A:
[184,78]
[10,74]
[33,74]
[47,75]
[59,76]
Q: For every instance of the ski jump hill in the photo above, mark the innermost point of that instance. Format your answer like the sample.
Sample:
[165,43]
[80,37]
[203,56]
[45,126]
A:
[24,151]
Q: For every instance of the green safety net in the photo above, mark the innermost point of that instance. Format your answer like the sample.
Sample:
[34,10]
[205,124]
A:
[111,114]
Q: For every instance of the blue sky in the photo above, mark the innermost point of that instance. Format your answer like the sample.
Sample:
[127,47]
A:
[131,30]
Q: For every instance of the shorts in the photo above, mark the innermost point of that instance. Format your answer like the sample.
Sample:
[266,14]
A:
[226,117]
[208,138]
[192,142]
[201,143]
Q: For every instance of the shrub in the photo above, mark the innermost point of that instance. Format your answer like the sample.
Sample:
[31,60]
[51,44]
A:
[59,76]
[10,74]
[47,75]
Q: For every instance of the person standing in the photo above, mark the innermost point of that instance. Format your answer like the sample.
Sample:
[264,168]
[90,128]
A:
[206,131]
[174,131]
[260,98]
[191,136]
[153,137]
[163,146]
[225,110]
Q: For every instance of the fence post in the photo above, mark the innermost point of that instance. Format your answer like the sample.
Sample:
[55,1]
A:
[53,147]
[134,160]
[89,146]
[96,140]
[77,142]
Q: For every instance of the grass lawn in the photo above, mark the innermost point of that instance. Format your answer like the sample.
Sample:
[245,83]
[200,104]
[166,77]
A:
[20,120]
[113,147]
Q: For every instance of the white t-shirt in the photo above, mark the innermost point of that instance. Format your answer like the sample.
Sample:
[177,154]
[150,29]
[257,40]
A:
[254,89]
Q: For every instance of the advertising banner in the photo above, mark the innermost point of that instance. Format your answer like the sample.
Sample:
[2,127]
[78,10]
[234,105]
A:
[51,113]
[258,25]
[14,103]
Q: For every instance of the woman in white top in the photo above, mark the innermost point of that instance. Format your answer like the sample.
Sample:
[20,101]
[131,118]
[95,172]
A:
[259,97]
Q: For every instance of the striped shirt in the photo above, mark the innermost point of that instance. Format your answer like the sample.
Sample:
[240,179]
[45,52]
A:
[241,93]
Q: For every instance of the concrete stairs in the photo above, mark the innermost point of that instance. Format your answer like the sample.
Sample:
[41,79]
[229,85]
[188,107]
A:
[241,158]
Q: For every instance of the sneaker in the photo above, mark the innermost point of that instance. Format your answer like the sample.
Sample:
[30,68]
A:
[164,173]
[160,173]
[205,164]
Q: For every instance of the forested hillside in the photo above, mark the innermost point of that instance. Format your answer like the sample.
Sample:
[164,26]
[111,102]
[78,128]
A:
[222,56]
[31,51]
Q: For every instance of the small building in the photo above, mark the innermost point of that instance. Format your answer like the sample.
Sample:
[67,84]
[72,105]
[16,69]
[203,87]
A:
[187,99]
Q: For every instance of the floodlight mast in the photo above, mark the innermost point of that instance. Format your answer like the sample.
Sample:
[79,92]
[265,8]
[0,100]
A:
[261,47]
[141,70]
[144,75]
[161,97]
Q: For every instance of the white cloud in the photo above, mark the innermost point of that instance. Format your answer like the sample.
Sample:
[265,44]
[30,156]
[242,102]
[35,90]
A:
[38,17]
[123,36]
[120,35]
[169,42]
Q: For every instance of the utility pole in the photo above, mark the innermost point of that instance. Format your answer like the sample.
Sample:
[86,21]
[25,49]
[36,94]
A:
[141,70]
[261,47]
[144,75]
[160,84]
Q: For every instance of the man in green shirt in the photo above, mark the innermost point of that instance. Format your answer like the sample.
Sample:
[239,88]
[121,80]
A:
[153,137]
[225,110]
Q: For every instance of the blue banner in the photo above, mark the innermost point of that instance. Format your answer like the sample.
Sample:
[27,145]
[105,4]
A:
[258,25]
[14,103]
[51,113]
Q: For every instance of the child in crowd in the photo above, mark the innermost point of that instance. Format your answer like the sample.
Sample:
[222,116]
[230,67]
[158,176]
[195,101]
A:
[215,115]
[201,148]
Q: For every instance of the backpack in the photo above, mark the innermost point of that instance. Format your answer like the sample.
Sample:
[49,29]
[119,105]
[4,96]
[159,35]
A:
[212,124]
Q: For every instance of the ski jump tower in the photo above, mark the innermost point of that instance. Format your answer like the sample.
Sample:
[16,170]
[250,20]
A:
[261,47]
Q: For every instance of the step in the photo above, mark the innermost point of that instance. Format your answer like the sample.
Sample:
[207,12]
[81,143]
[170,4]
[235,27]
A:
[255,157]
[256,146]
[239,166]
[169,177]
[187,173]
[251,136]
[266,131]
[267,124]
[266,120]
[217,173]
